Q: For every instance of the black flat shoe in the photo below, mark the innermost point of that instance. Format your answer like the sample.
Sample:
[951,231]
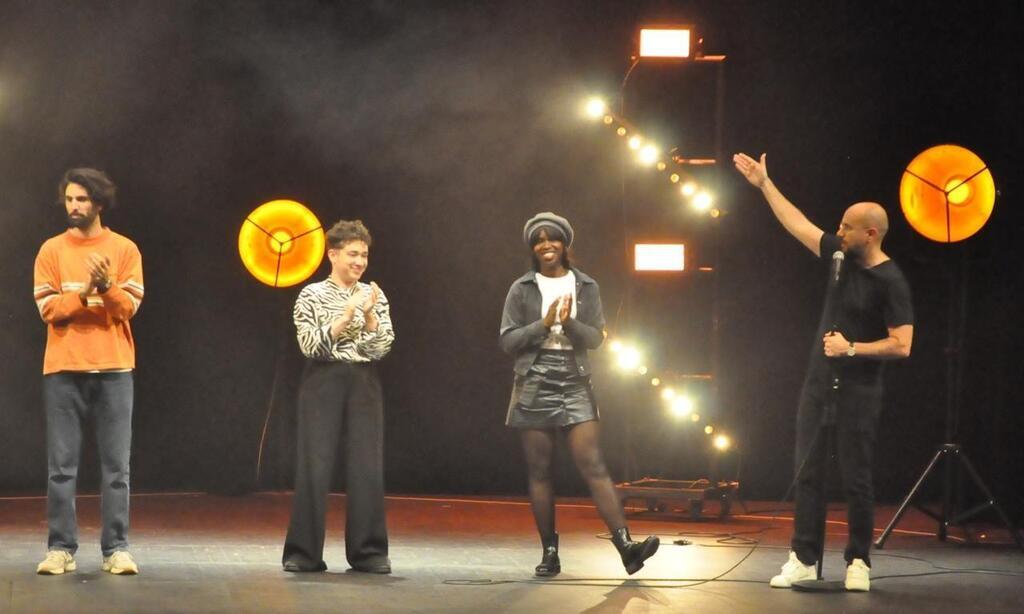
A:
[295,567]
[378,567]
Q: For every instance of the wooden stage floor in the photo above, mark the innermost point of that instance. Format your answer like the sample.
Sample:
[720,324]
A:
[205,553]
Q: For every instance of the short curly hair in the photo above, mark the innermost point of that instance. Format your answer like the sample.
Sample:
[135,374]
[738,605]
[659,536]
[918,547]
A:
[346,231]
[97,184]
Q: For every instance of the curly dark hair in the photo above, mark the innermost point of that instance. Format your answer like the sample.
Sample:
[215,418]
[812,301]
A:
[99,186]
[346,231]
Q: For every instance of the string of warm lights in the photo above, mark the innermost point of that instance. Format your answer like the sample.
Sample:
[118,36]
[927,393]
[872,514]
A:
[649,154]
[627,357]
[678,404]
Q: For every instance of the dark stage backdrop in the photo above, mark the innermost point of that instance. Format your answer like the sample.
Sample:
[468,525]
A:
[444,125]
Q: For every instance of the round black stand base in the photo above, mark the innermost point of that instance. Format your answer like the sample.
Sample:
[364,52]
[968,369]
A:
[820,586]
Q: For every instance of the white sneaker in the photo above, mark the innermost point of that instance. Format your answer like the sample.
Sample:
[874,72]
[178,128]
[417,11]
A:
[120,563]
[793,571]
[858,576]
[56,563]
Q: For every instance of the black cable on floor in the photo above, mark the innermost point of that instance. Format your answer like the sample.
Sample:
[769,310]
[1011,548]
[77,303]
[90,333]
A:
[723,543]
[603,582]
[726,540]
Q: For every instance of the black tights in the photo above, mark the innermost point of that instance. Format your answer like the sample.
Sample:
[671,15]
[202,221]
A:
[538,446]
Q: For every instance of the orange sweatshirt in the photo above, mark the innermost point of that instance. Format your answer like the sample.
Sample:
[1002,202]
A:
[93,336]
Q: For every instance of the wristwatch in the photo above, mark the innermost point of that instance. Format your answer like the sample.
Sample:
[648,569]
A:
[851,351]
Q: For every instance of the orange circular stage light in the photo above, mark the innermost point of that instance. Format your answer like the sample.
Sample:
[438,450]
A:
[281,243]
[947,193]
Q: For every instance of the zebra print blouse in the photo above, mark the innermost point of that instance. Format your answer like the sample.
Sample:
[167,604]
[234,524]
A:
[321,303]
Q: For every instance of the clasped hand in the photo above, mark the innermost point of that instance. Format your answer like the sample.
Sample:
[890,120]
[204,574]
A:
[363,301]
[99,274]
[560,308]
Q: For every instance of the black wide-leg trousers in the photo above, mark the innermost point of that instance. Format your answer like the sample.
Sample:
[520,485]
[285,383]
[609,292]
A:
[339,399]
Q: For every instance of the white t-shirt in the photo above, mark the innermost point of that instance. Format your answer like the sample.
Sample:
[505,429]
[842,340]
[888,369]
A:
[550,289]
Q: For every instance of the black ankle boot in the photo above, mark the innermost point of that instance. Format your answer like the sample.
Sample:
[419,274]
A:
[634,553]
[549,563]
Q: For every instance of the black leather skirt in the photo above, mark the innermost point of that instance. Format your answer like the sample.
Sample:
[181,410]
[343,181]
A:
[551,394]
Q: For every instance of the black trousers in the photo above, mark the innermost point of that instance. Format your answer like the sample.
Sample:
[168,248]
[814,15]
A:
[336,398]
[857,410]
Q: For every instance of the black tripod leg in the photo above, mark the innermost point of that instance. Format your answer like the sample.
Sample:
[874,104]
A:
[946,511]
[991,500]
[880,542]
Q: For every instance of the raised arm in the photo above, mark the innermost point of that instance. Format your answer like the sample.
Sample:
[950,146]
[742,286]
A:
[791,218]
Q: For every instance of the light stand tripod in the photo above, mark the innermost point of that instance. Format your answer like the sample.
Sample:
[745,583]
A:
[951,452]
[947,194]
[281,243]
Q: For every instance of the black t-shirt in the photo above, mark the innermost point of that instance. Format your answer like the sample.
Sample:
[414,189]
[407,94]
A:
[865,304]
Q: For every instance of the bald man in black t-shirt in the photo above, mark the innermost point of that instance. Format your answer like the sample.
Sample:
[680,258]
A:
[869,319]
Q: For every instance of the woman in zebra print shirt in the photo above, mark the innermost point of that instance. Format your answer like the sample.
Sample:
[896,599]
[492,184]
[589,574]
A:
[343,327]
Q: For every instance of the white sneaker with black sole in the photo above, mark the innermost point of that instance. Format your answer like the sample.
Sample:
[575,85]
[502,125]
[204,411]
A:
[858,576]
[793,571]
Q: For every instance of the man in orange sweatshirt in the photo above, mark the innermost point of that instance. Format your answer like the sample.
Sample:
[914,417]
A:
[88,285]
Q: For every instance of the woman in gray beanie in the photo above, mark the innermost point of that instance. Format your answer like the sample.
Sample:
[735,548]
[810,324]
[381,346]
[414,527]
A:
[552,317]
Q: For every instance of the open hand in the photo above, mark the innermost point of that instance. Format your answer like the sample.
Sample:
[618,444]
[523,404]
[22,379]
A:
[755,172]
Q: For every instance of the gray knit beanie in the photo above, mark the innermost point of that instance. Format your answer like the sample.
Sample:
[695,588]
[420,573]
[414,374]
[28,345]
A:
[547,218]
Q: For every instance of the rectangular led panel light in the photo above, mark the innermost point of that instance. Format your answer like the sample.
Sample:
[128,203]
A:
[665,43]
[659,257]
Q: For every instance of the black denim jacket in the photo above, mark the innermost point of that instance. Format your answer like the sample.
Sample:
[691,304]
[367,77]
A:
[523,330]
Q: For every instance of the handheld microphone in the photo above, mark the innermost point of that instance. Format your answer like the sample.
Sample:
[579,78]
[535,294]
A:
[833,283]
[837,267]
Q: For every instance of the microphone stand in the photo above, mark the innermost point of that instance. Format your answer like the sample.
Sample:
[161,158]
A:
[828,427]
